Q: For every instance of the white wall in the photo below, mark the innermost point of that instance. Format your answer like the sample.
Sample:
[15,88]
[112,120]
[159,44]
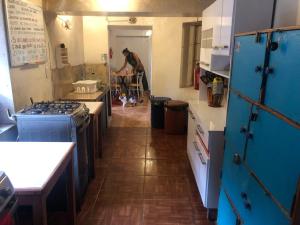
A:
[73,38]
[36,81]
[287,13]
[31,81]
[136,41]
[6,95]
[166,47]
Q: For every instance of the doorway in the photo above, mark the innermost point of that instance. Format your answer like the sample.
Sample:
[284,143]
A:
[191,45]
[137,39]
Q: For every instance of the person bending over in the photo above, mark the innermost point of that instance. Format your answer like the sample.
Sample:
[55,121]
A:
[137,66]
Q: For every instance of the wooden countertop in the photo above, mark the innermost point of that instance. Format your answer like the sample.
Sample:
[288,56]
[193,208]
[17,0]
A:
[30,165]
[94,107]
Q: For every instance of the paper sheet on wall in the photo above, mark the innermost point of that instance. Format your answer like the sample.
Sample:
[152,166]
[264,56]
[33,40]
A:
[26,33]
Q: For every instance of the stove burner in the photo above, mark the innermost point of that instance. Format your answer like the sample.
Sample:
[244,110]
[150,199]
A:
[51,108]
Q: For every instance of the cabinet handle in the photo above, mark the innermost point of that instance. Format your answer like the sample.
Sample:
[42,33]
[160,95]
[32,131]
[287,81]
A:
[220,47]
[243,129]
[244,195]
[274,46]
[248,206]
[258,69]
[269,70]
[249,135]
[237,159]
[254,116]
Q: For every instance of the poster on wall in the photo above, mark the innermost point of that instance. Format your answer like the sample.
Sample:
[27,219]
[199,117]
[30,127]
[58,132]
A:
[26,33]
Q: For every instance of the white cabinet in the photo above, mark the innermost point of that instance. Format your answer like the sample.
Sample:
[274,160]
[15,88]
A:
[223,19]
[205,152]
[216,22]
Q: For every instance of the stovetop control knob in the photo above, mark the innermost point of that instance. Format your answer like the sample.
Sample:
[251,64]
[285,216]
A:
[5,192]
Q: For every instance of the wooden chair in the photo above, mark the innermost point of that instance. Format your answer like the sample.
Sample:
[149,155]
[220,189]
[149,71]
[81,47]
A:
[115,87]
[137,86]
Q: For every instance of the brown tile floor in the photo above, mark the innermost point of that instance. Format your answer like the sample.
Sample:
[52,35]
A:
[144,177]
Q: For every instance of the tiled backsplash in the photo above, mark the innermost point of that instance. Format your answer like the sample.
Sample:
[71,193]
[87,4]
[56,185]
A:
[96,72]
[63,78]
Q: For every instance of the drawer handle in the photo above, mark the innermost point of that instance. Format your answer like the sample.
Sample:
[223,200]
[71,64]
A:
[196,147]
[199,153]
[199,128]
[202,159]
[192,115]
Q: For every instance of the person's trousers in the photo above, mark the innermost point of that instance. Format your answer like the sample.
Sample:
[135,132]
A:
[144,80]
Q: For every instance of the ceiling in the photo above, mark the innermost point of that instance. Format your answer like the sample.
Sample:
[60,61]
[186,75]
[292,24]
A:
[191,8]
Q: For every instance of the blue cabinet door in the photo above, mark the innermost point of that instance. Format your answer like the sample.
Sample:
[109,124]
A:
[248,63]
[227,215]
[274,156]
[260,209]
[283,86]
[235,179]
[237,123]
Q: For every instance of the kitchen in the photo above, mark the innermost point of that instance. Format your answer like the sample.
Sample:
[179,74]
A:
[81,30]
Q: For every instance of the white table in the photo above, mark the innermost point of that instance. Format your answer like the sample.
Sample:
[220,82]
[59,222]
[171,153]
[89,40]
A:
[34,168]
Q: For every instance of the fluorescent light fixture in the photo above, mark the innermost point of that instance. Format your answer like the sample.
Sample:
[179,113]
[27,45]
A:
[113,5]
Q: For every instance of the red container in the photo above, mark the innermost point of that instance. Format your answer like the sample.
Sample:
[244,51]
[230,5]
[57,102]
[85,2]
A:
[197,72]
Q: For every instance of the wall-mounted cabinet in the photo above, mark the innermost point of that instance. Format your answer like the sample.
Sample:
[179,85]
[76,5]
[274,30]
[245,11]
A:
[221,21]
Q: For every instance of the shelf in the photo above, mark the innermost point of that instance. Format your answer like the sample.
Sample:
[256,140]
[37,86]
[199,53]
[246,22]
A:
[222,73]
[204,67]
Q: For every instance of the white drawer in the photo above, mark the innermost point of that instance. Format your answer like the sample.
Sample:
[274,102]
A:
[203,132]
[200,160]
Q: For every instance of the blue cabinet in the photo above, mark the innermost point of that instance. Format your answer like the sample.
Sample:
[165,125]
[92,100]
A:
[227,216]
[259,207]
[283,86]
[248,62]
[273,153]
[261,167]
[238,112]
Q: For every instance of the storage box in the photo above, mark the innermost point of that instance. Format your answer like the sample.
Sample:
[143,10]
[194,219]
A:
[85,86]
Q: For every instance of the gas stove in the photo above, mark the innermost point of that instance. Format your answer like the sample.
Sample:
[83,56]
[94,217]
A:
[51,108]
[55,110]
[59,121]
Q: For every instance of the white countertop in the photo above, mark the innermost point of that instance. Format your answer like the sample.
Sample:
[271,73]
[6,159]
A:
[94,107]
[214,119]
[30,165]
